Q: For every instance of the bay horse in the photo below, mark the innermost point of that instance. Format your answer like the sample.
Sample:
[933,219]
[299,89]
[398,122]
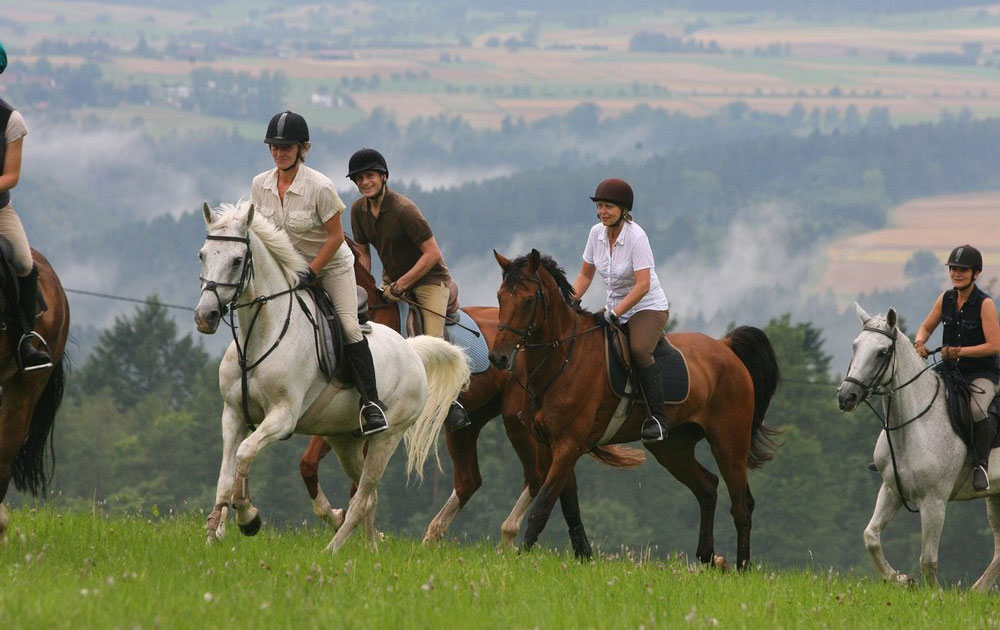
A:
[270,377]
[490,393]
[30,399]
[732,381]
[919,456]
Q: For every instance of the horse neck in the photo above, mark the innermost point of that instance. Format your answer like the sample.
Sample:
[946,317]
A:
[268,279]
[918,386]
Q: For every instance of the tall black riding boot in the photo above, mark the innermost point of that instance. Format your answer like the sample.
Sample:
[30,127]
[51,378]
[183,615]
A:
[28,356]
[373,418]
[654,428]
[458,417]
[982,439]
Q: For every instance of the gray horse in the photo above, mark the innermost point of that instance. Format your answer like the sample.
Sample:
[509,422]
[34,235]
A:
[928,464]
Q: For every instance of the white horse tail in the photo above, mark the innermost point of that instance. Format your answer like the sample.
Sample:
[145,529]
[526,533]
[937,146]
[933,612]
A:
[447,374]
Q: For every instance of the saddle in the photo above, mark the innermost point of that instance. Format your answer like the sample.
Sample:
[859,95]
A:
[330,334]
[415,323]
[957,402]
[670,361]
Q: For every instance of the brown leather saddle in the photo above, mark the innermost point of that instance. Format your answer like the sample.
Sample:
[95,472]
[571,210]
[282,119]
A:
[671,362]
[415,322]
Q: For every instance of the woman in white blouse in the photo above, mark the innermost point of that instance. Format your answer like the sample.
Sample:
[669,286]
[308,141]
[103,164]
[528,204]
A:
[304,203]
[619,250]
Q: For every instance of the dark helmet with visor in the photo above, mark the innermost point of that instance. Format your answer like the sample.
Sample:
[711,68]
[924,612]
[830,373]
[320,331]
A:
[3,58]
[287,128]
[966,256]
[616,191]
[366,160]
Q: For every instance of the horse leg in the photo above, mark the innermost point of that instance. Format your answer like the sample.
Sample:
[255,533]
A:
[989,576]
[380,449]
[677,456]
[732,462]
[564,456]
[278,422]
[932,510]
[309,471]
[232,432]
[512,524]
[350,453]
[886,506]
[465,462]
[570,503]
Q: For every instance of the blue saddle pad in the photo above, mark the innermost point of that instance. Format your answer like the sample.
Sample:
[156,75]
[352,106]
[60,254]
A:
[476,351]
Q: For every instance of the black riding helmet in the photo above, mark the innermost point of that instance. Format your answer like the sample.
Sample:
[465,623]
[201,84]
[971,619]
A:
[287,128]
[966,256]
[366,160]
[3,58]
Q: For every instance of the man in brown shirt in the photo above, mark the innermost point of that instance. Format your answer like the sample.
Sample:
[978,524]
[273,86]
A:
[411,258]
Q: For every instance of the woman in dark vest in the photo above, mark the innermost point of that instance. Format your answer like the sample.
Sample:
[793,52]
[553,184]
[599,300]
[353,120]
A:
[972,338]
[14,129]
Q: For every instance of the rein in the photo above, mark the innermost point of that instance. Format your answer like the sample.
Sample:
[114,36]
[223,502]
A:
[874,388]
[232,306]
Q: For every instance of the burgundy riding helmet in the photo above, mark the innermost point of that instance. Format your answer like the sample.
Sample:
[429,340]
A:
[616,191]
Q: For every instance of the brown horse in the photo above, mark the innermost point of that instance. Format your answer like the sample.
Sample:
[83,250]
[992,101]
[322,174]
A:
[30,399]
[732,381]
[490,393]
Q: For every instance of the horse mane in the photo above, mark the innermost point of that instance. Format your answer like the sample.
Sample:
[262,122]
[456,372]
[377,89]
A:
[517,273]
[274,239]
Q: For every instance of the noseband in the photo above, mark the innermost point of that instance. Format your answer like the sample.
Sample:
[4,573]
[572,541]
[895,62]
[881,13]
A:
[245,274]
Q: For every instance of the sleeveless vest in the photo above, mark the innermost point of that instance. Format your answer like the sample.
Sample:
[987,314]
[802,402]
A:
[5,111]
[965,328]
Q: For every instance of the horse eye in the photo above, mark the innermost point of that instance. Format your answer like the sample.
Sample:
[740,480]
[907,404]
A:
[883,352]
[237,262]
[201,256]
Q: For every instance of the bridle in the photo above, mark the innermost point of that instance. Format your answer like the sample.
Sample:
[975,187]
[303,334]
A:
[877,388]
[230,308]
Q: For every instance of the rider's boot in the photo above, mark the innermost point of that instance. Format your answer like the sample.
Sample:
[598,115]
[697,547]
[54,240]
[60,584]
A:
[28,356]
[654,428]
[982,439]
[373,418]
[457,417]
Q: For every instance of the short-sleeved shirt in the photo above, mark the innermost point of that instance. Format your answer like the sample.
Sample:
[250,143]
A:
[16,128]
[397,234]
[632,253]
[310,202]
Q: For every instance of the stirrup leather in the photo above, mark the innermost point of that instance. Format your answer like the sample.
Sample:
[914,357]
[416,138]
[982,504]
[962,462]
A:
[25,338]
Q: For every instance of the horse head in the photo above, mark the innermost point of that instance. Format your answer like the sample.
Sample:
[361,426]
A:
[533,294]
[226,264]
[871,367]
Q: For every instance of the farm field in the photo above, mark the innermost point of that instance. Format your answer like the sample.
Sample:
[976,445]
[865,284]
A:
[769,62]
[876,260]
[73,570]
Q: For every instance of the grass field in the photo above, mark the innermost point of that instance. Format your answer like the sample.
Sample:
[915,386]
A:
[75,570]
[876,260]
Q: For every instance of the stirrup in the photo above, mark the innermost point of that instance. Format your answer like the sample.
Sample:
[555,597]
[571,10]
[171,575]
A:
[457,418]
[976,469]
[371,426]
[31,368]
[652,431]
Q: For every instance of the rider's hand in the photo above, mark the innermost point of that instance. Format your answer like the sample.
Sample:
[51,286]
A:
[389,292]
[607,318]
[950,353]
[921,350]
[306,277]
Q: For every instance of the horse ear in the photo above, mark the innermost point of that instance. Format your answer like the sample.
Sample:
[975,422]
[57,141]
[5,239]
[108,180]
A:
[862,314]
[890,318]
[503,262]
[534,259]
[250,216]
[207,212]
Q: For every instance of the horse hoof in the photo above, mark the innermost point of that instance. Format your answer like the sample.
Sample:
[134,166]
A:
[719,562]
[251,528]
[335,517]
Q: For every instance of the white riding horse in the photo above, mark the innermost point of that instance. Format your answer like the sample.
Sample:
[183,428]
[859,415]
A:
[249,267]
[921,460]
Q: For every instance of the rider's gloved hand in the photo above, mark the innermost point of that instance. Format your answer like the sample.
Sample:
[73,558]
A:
[390,293]
[607,318]
[306,277]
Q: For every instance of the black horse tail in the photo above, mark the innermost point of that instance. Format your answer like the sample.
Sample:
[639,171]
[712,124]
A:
[618,456]
[754,349]
[30,473]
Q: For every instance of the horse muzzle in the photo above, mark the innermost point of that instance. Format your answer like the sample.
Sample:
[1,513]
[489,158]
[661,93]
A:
[502,360]
[207,319]
[848,396]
